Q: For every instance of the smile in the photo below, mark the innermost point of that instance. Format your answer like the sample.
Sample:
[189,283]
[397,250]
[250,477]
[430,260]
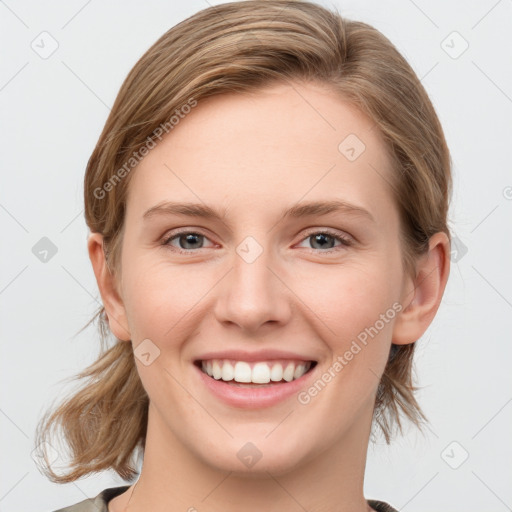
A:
[255,384]
[260,372]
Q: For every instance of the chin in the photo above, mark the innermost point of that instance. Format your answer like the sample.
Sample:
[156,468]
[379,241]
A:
[256,457]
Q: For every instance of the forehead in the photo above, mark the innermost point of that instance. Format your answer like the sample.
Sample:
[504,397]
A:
[274,145]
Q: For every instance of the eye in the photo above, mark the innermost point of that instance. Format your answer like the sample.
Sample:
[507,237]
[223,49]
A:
[187,241]
[323,240]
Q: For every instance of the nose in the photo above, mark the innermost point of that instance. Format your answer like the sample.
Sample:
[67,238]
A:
[253,294]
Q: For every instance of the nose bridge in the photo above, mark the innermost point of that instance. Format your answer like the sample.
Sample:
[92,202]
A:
[252,294]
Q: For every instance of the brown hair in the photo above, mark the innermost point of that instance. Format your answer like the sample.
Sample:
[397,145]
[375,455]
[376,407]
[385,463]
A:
[236,47]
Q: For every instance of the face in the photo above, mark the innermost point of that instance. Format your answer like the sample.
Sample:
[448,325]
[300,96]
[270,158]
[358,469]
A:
[256,284]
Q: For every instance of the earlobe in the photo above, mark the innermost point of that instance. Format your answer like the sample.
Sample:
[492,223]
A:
[114,307]
[423,294]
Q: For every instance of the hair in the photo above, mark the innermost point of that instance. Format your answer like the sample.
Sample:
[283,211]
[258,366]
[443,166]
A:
[234,48]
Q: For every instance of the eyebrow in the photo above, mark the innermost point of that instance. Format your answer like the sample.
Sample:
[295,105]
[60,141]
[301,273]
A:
[300,210]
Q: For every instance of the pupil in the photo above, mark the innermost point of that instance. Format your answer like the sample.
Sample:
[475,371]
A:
[320,238]
[190,238]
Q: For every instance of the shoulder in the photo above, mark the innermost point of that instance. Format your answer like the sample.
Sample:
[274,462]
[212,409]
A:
[381,506]
[97,504]
[100,502]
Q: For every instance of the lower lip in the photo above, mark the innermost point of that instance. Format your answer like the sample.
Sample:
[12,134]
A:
[257,396]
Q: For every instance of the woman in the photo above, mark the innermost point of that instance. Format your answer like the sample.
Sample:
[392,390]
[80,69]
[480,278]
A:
[268,213]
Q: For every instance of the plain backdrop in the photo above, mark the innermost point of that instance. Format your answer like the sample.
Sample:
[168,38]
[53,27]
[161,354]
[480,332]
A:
[54,99]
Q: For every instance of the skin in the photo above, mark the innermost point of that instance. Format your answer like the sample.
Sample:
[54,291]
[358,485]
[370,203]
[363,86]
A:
[256,155]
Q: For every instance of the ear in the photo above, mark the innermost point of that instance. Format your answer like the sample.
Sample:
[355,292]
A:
[422,295]
[106,283]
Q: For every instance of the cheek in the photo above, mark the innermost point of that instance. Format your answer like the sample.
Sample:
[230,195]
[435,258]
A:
[348,299]
[355,313]
[162,299]
[354,307]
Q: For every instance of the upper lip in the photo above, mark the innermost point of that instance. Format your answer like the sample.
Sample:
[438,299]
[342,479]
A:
[260,355]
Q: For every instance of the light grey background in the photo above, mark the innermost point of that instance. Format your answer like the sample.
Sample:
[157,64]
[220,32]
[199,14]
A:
[52,111]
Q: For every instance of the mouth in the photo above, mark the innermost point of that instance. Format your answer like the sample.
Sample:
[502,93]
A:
[255,373]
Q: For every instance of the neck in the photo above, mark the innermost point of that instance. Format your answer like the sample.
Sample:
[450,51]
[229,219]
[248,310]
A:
[173,478]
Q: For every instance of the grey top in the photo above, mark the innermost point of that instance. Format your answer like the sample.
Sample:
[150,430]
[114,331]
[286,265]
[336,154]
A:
[100,502]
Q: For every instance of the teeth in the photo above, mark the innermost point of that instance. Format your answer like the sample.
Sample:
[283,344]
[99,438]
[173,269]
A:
[242,372]
[228,372]
[260,373]
[276,374]
[299,371]
[289,372]
[217,370]
[256,373]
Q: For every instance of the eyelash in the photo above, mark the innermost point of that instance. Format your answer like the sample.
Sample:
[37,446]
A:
[345,241]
